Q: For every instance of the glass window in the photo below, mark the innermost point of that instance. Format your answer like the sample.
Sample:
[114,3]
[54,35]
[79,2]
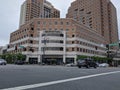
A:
[31,41]
[67,29]
[61,23]
[72,42]
[38,29]
[73,35]
[61,29]
[32,0]
[56,23]
[67,23]
[44,28]
[31,35]
[38,22]
[72,49]
[44,23]
[32,28]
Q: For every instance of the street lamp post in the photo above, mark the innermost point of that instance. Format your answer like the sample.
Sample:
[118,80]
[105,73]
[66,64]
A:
[43,49]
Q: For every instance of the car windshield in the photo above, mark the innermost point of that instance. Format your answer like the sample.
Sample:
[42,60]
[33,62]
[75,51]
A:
[2,60]
[82,60]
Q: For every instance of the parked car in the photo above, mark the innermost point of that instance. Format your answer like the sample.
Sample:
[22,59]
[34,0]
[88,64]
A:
[3,62]
[71,65]
[19,62]
[86,63]
[103,65]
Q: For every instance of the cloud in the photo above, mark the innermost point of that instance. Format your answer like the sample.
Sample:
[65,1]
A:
[62,6]
[9,18]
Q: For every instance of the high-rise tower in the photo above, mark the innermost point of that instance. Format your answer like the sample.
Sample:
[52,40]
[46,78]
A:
[44,37]
[37,9]
[99,15]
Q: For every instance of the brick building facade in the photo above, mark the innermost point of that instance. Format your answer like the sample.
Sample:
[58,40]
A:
[87,28]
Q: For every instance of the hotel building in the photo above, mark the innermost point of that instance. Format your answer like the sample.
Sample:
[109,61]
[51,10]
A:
[37,9]
[99,15]
[61,40]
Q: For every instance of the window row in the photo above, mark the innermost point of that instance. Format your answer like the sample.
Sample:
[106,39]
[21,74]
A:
[85,51]
[55,23]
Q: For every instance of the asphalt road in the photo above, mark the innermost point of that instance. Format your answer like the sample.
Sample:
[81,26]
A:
[18,77]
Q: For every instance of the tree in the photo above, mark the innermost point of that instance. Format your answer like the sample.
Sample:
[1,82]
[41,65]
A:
[81,57]
[11,58]
[0,56]
[8,58]
[21,57]
[96,58]
[101,59]
[3,56]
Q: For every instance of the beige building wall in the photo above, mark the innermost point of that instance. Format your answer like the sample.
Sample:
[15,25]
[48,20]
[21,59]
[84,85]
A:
[37,9]
[22,14]
[79,38]
[98,15]
[113,26]
[86,12]
[89,26]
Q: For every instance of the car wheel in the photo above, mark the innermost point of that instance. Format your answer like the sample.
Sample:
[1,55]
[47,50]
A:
[87,66]
[95,66]
[79,66]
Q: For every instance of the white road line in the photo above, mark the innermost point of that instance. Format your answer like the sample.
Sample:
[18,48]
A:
[57,82]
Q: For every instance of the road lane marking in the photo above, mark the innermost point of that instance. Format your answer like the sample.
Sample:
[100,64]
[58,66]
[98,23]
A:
[58,81]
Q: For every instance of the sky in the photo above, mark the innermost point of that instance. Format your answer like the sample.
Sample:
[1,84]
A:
[10,14]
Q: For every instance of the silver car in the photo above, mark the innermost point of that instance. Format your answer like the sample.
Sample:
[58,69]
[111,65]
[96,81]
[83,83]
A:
[3,62]
[104,65]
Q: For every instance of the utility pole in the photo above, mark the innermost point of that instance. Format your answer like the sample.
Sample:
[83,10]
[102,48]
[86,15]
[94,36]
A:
[44,48]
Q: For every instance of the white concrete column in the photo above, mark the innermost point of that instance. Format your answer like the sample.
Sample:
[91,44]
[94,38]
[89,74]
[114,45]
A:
[64,47]
[27,58]
[75,59]
[64,59]
[39,47]
[39,59]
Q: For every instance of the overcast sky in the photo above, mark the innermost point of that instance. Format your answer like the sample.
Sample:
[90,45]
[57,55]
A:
[10,13]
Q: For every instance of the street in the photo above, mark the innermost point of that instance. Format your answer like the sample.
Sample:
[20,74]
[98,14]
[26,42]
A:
[36,77]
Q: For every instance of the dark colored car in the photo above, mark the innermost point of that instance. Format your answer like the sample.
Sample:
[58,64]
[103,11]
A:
[19,62]
[86,63]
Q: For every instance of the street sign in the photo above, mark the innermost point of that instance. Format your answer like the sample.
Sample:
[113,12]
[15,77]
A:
[114,44]
[21,46]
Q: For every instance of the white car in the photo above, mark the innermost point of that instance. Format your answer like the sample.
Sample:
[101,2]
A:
[71,65]
[104,65]
[3,62]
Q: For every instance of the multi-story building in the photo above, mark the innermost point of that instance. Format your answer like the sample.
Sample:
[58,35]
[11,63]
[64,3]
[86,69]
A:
[37,9]
[61,40]
[56,39]
[99,15]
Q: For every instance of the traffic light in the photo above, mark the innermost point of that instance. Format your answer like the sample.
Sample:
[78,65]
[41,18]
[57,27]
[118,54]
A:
[32,50]
[24,49]
[96,47]
[107,46]
[16,48]
[8,46]
[119,45]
